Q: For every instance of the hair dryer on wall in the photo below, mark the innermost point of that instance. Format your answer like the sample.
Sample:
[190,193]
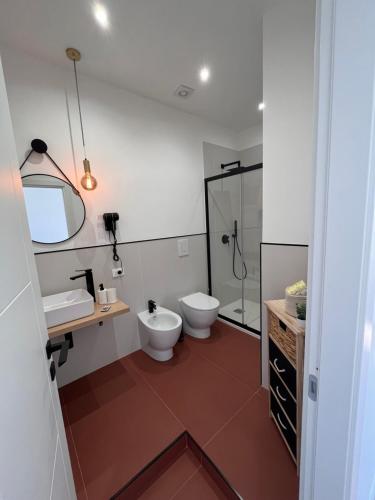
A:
[110,219]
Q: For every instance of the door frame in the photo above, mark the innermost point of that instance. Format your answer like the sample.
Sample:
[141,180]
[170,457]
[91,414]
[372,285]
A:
[338,456]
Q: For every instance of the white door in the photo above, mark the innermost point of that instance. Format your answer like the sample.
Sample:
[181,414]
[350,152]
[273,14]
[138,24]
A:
[338,434]
[34,460]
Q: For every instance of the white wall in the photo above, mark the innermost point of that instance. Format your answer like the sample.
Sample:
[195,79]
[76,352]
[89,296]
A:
[250,137]
[214,156]
[288,65]
[147,157]
[288,78]
[251,156]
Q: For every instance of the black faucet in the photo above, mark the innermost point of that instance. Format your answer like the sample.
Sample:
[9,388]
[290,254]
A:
[87,273]
[151,306]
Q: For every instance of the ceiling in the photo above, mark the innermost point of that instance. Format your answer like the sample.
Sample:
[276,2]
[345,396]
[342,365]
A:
[152,46]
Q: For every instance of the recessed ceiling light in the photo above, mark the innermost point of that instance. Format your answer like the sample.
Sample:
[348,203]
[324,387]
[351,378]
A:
[204,74]
[101,15]
[261,106]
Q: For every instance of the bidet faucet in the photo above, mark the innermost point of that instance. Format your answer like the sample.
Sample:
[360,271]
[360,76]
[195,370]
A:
[87,273]
[151,306]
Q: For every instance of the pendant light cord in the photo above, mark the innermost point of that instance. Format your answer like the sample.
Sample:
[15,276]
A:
[79,108]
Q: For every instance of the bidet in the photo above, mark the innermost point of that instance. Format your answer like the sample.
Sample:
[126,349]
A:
[162,329]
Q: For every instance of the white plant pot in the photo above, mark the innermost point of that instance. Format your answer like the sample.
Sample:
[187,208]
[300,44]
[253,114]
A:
[291,302]
[301,323]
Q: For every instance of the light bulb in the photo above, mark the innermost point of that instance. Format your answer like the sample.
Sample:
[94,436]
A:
[88,181]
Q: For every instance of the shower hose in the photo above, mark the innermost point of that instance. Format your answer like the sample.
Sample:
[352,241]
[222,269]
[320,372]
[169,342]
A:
[237,247]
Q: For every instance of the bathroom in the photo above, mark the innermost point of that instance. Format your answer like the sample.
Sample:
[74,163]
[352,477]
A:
[199,145]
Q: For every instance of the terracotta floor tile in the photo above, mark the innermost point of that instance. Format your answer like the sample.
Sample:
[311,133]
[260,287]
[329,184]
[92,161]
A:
[201,395]
[77,476]
[123,415]
[234,351]
[167,485]
[200,487]
[224,328]
[118,426]
[252,456]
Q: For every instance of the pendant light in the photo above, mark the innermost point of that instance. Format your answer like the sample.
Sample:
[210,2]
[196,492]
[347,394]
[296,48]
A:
[88,181]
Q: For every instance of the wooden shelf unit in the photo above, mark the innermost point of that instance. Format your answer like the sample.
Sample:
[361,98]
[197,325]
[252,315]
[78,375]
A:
[286,340]
[97,317]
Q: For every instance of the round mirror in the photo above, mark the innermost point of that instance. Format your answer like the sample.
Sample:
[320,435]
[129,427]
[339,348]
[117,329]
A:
[55,211]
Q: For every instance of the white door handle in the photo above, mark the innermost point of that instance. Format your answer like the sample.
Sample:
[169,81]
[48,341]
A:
[278,393]
[280,370]
[280,422]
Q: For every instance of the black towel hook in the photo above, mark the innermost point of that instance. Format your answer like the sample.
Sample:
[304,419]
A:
[39,146]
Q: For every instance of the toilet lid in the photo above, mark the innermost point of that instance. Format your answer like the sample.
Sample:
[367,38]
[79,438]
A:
[201,301]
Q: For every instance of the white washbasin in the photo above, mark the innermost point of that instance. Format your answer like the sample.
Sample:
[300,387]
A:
[67,306]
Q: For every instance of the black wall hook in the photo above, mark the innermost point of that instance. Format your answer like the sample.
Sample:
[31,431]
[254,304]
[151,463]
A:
[39,146]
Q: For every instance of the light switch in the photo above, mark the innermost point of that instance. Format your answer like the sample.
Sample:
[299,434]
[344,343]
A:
[183,247]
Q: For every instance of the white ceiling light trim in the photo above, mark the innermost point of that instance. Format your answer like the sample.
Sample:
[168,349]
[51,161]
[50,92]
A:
[204,74]
[101,15]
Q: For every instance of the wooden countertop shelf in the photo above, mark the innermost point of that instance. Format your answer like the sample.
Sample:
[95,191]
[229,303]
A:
[278,307]
[116,309]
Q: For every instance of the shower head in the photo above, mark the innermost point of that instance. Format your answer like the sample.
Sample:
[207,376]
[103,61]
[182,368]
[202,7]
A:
[225,165]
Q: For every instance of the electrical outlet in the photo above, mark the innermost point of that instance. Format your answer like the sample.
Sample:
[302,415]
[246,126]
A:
[117,272]
[183,247]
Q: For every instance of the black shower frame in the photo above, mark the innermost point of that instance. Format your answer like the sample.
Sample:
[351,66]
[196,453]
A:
[230,173]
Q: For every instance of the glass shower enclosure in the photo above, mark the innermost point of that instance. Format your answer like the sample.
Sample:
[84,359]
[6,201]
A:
[234,232]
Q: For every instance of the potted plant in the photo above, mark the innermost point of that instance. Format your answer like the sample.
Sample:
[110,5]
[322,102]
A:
[301,314]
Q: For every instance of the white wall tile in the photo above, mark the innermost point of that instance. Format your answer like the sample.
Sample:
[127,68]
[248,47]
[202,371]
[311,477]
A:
[152,270]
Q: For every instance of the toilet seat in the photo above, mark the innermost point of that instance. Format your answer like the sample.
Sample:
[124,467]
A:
[201,302]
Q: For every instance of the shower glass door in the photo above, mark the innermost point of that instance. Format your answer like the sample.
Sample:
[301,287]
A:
[252,237]
[234,215]
[225,235]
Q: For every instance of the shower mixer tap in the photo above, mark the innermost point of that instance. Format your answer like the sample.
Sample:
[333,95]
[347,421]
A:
[225,239]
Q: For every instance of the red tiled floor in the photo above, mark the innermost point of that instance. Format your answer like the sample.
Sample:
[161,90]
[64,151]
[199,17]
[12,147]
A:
[200,394]
[77,475]
[252,455]
[118,425]
[234,351]
[170,482]
[200,487]
[126,413]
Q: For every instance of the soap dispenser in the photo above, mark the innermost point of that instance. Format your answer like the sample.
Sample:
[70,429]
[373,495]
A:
[102,294]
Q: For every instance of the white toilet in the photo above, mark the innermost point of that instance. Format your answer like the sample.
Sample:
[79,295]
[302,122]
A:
[162,329]
[199,311]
